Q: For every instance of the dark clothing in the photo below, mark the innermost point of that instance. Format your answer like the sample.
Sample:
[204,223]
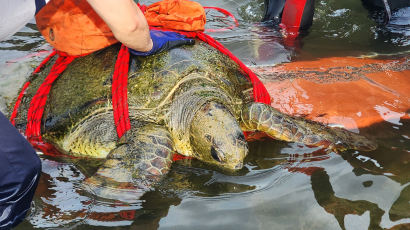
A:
[40,4]
[388,6]
[20,169]
[392,4]
[273,10]
[295,14]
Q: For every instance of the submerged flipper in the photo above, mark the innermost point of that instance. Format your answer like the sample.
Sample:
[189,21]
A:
[262,117]
[141,158]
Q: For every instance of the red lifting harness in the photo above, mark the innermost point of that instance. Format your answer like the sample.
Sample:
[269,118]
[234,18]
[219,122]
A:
[292,14]
[227,13]
[119,92]
[260,94]
[36,109]
[119,87]
[296,14]
[23,90]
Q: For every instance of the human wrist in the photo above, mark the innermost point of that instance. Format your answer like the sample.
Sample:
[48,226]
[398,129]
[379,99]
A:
[150,46]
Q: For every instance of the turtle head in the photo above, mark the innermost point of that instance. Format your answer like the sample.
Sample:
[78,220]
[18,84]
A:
[216,137]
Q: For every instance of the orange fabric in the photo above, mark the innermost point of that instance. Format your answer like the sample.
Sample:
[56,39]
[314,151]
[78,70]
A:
[73,27]
[176,15]
[353,92]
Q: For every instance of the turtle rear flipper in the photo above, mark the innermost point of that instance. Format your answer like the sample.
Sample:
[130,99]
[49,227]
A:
[141,158]
[262,117]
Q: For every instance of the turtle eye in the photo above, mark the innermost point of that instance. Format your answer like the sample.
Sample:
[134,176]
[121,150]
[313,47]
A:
[208,138]
[214,154]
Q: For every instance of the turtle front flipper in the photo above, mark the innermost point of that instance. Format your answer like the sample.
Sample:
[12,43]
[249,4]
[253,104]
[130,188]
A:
[262,117]
[142,156]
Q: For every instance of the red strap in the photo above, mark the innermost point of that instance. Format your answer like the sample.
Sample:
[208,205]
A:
[119,92]
[36,109]
[227,13]
[260,94]
[306,170]
[119,86]
[292,16]
[23,90]
[142,7]
[36,141]
[178,157]
[18,102]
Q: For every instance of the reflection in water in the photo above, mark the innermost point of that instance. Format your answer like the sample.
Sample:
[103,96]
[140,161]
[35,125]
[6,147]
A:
[354,188]
[340,28]
[352,92]
[388,115]
[62,200]
[372,99]
[59,203]
[344,24]
[339,207]
[283,184]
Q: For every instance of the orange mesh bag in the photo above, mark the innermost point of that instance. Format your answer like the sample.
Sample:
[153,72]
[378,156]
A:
[73,27]
[177,15]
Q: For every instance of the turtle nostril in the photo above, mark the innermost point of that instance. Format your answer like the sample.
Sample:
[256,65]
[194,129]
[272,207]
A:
[239,166]
[241,136]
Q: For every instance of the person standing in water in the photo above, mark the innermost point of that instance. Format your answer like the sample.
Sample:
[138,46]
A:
[296,16]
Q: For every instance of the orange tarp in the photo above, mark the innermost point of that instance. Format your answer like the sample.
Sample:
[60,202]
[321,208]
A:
[73,27]
[351,92]
[182,15]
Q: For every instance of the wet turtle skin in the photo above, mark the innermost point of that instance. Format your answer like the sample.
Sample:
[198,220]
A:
[192,100]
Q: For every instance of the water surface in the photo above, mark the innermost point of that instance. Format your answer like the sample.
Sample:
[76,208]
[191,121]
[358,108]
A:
[283,185]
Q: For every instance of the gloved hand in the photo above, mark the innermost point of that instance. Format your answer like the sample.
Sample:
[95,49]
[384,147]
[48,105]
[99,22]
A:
[164,40]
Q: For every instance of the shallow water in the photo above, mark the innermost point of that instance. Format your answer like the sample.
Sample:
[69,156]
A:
[283,185]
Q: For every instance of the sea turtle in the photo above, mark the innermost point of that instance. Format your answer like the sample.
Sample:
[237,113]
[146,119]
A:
[192,100]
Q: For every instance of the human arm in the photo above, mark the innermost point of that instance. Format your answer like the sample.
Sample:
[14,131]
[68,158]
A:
[126,21]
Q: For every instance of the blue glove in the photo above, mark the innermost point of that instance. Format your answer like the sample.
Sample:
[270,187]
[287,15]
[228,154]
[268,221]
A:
[164,40]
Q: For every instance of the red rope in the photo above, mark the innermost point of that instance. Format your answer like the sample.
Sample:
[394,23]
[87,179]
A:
[178,157]
[292,17]
[36,109]
[18,102]
[23,90]
[260,94]
[227,13]
[44,62]
[119,92]
[119,86]
[36,141]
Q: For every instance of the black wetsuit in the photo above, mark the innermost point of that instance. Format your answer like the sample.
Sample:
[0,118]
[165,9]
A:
[20,169]
[299,13]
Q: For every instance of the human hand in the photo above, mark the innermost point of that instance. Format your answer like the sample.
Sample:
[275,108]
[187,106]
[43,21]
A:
[164,40]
